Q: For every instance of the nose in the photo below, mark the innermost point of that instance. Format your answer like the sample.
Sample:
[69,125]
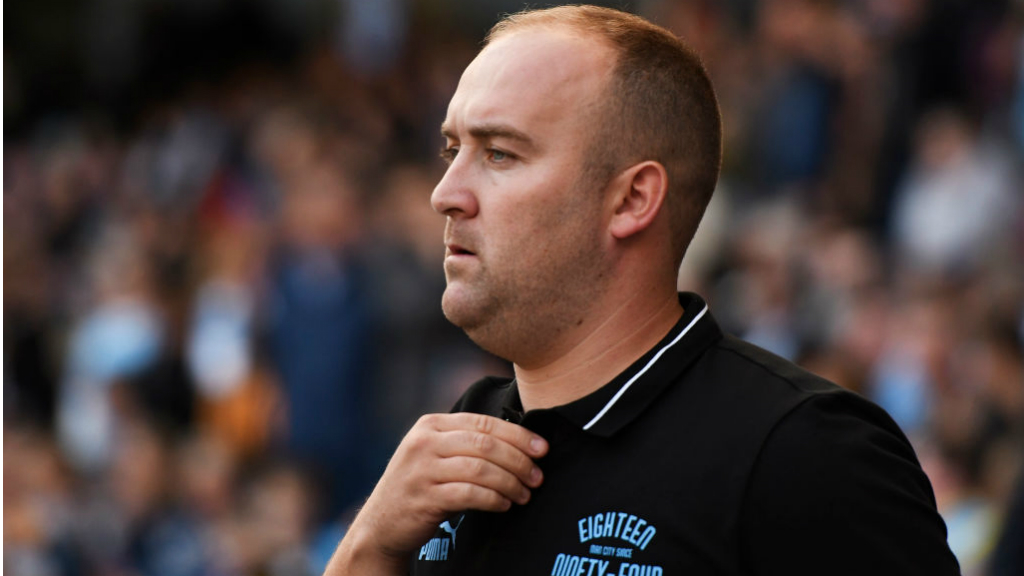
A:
[453,196]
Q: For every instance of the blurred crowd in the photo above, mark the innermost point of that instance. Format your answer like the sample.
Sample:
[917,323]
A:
[222,294]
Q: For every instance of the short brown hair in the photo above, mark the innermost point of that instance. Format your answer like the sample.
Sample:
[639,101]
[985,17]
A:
[662,106]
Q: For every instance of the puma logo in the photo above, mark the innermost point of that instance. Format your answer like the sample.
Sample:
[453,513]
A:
[447,527]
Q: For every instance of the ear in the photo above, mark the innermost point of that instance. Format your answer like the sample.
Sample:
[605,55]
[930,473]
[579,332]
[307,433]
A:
[638,198]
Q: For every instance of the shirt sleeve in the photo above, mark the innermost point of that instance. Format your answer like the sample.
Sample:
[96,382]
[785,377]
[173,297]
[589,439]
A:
[837,489]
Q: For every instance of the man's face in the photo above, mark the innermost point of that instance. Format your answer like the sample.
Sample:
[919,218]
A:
[524,234]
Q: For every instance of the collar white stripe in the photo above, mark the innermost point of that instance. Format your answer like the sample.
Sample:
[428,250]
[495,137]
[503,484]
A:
[644,369]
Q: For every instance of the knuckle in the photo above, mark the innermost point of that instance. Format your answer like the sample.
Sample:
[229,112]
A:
[477,468]
[416,440]
[427,420]
[463,493]
[483,424]
[483,443]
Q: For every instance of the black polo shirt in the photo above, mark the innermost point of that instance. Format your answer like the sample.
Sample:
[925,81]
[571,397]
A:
[707,456]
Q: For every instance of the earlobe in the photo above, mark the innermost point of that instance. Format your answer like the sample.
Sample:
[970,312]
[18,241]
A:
[639,199]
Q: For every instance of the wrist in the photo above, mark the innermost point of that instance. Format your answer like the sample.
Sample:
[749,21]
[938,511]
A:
[359,553]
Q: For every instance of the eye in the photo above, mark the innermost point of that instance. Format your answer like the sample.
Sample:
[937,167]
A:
[449,153]
[498,155]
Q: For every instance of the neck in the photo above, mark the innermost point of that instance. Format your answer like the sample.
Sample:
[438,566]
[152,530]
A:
[599,350]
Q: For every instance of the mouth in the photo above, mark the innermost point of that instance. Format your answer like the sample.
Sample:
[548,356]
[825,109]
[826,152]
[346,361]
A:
[457,250]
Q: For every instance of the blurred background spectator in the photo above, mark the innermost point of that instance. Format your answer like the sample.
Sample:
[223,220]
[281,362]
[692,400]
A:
[222,311]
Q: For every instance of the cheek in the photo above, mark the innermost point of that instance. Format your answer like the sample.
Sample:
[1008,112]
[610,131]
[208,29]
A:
[531,228]
[552,236]
[533,208]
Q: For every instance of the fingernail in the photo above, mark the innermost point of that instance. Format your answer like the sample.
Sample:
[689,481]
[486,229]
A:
[537,444]
[535,476]
[524,497]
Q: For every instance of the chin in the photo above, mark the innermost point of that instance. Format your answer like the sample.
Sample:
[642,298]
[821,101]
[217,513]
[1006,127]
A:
[476,317]
[460,309]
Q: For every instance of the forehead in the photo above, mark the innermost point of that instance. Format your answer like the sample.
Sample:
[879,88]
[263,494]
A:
[530,79]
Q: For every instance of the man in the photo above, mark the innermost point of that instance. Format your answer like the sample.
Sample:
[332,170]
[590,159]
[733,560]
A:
[636,438]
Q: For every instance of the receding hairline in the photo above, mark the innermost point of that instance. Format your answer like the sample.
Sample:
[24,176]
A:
[569,29]
[599,68]
[508,28]
[574,19]
[636,99]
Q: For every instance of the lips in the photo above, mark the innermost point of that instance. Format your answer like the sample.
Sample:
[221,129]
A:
[460,241]
[458,250]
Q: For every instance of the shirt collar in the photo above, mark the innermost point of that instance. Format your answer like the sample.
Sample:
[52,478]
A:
[606,410]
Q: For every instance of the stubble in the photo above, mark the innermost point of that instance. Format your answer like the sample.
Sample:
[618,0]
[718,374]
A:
[517,306]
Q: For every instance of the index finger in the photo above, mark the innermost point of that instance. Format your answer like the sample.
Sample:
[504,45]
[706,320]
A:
[523,439]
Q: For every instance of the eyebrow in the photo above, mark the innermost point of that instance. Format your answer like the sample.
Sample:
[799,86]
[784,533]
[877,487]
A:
[490,131]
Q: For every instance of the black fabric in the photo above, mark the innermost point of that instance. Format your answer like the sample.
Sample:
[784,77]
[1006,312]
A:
[720,459]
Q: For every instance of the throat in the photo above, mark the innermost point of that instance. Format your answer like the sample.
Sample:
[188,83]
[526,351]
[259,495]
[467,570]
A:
[595,360]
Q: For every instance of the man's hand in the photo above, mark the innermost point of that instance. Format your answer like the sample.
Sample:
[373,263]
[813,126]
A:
[445,464]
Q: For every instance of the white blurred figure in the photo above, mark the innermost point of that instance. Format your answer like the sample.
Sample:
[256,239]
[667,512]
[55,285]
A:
[120,334]
[959,200]
[219,348]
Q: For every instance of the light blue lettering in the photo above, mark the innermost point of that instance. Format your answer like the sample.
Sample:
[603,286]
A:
[645,538]
[618,526]
[609,524]
[628,527]
[559,568]
[634,535]
[627,569]
[569,565]
[435,549]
